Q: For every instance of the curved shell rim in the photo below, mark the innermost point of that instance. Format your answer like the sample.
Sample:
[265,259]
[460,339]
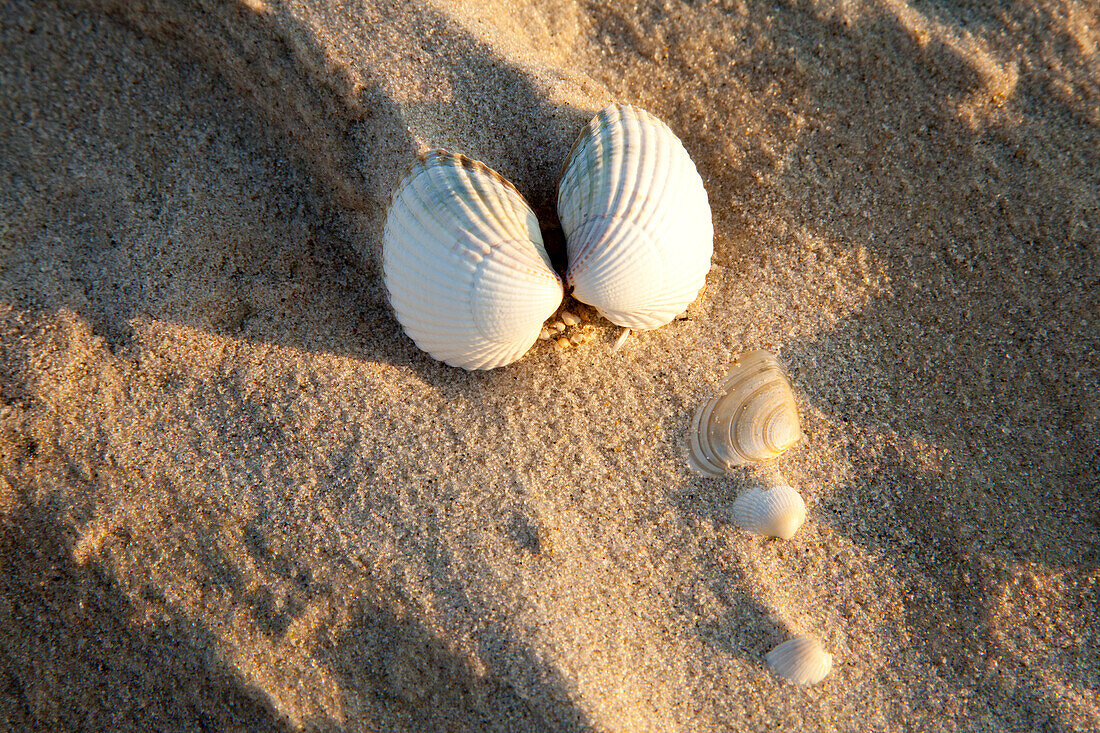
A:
[463,161]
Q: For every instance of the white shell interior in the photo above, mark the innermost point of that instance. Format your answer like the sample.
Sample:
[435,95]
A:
[801,660]
[464,264]
[754,418]
[776,511]
[636,219]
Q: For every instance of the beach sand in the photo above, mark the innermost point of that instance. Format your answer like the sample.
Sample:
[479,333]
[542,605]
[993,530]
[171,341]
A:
[234,496]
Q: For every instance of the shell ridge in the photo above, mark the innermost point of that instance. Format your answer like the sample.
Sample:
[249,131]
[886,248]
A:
[666,219]
[749,406]
[431,271]
[627,150]
[692,204]
[773,512]
[500,204]
[527,260]
[505,307]
[772,439]
[670,166]
[413,317]
[447,193]
[416,230]
[439,287]
[617,235]
[433,209]
[569,185]
[616,241]
[584,183]
[495,205]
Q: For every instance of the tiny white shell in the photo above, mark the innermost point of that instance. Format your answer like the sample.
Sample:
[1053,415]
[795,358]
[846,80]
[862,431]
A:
[621,340]
[802,660]
[636,219]
[465,265]
[753,419]
[776,511]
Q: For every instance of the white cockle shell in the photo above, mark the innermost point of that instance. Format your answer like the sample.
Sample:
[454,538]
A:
[754,418]
[775,511]
[801,660]
[465,265]
[637,224]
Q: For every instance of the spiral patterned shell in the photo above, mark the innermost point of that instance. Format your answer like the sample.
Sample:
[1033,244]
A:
[636,219]
[777,511]
[802,660]
[753,419]
[464,263]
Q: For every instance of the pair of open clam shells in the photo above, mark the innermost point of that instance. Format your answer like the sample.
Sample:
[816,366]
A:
[466,268]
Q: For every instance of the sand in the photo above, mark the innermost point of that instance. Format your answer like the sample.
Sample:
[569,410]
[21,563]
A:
[234,496]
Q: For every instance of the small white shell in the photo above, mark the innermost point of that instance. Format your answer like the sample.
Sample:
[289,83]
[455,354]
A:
[802,660]
[777,511]
[636,219]
[753,419]
[464,263]
[621,340]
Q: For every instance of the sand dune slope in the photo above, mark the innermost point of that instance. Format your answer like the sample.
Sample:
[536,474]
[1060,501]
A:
[234,496]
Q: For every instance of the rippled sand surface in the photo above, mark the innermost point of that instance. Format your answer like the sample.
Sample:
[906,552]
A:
[234,496]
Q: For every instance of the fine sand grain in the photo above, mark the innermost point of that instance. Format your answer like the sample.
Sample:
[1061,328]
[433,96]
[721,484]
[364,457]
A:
[233,496]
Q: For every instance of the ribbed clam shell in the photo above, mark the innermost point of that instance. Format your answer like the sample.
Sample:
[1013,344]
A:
[636,219]
[776,511]
[802,660]
[753,419]
[464,263]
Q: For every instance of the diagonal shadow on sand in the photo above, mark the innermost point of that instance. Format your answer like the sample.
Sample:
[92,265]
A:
[125,247]
[72,657]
